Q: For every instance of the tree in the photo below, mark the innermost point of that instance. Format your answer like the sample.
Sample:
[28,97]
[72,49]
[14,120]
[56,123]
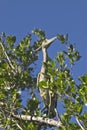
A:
[17,75]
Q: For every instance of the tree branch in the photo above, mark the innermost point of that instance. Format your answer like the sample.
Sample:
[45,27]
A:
[7,56]
[18,125]
[47,121]
[79,123]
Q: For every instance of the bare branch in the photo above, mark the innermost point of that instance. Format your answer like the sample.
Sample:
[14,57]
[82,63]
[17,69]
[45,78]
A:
[38,49]
[79,123]
[47,121]
[7,56]
[18,125]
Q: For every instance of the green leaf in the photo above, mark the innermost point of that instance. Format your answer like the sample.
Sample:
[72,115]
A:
[70,48]
[31,126]
[43,84]
[10,39]
[5,66]
[60,58]
[62,38]
[83,79]
[85,115]
[39,33]
[79,108]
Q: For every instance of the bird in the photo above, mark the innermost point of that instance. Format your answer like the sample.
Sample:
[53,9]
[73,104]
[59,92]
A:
[49,99]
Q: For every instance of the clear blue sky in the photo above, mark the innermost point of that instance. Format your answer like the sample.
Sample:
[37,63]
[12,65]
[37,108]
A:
[19,17]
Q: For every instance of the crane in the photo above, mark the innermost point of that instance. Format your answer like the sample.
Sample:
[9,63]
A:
[49,100]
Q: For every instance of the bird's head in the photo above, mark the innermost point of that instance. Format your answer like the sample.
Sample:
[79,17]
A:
[47,42]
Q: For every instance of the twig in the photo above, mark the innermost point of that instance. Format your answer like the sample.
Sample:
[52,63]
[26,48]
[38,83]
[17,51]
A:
[38,49]
[79,123]
[57,115]
[7,56]
[18,125]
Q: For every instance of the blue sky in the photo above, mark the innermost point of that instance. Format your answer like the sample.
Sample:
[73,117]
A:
[19,17]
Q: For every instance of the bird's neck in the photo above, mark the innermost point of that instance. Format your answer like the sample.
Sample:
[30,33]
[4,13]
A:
[45,55]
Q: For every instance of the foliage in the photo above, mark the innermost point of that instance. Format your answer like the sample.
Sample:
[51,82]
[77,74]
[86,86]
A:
[17,74]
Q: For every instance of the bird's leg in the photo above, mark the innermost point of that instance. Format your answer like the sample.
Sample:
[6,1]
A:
[49,105]
[57,115]
[43,109]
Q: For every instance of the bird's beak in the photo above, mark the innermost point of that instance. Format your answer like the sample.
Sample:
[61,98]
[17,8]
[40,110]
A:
[49,41]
